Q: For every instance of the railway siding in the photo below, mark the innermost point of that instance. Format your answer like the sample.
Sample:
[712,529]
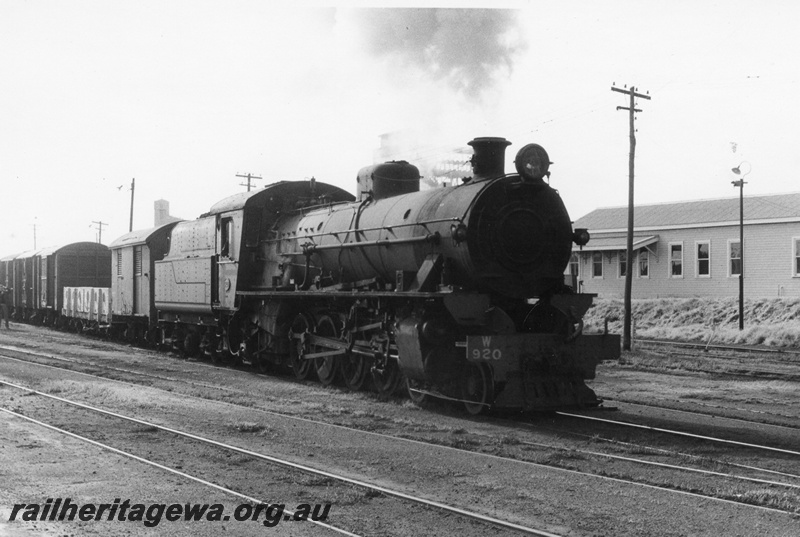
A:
[39,463]
[501,487]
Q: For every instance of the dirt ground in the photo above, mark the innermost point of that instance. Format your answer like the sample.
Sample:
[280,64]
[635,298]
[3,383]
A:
[37,464]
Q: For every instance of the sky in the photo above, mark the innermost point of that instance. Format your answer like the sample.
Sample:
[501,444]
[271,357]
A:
[184,95]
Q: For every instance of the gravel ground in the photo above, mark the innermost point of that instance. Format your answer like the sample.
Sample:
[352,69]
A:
[552,499]
[37,464]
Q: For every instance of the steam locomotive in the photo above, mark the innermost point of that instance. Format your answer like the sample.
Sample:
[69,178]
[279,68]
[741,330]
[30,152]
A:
[457,292]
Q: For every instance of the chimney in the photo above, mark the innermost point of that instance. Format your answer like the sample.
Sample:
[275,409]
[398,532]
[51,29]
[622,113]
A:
[161,215]
[489,159]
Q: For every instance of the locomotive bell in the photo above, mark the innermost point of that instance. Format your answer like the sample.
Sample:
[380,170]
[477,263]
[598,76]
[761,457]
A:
[489,158]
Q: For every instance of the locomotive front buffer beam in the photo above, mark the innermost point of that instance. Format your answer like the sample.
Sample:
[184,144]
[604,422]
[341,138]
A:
[493,365]
[542,370]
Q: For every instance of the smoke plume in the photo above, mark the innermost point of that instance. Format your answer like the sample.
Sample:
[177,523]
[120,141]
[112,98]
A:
[466,48]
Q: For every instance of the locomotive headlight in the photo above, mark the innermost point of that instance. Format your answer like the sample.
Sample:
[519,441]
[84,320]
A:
[580,236]
[532,162]
[458,232]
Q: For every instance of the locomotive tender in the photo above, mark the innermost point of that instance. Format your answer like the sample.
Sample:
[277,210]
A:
[458,291]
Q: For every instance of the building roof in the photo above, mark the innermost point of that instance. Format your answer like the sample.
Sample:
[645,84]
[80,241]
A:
[780,207]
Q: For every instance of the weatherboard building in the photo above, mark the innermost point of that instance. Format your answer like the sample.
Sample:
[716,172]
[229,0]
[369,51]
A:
[691,249]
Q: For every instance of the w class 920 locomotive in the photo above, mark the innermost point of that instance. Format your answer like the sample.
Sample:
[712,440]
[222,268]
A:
[458,292]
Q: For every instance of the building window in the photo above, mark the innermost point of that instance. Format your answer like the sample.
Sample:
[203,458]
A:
[597,264]
[703,250]
[644,264]
[137,260]
[735,257]
[573,269]
[796,256]
[676,260]
[575,265]
[623,263]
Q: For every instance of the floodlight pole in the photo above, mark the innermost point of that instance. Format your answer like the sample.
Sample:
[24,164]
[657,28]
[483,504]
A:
[740,183]
[626,327]
[133,186]
[741,253]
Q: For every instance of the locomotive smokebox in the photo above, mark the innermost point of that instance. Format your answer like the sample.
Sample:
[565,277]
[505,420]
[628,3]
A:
[489,159]
[388,179]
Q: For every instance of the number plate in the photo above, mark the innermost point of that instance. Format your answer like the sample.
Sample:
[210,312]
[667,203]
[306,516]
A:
[486,348]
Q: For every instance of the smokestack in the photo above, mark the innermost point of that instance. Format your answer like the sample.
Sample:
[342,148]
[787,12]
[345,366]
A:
[161,215]
[489,159]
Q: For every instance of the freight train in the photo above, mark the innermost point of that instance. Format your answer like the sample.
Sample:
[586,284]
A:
[455,292]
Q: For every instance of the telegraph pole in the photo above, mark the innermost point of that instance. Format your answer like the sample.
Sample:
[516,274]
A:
[626,330]
[99,230]
[249,177]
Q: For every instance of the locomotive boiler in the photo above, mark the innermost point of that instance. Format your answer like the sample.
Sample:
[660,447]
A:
[458,292]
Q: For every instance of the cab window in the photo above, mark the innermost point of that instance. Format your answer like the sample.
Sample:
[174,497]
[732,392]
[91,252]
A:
[226,235]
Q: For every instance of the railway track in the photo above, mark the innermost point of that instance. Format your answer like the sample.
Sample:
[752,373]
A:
[716,411]
[685,434]
[788,354]
[687,456]
[373,489]
[735,360]
[787,483]
[566,414]
[218,387]
[168,469]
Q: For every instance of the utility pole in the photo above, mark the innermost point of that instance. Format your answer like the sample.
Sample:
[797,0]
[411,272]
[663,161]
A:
[626,330]
[133,186]
[99,230]
[249,177]
[34,232]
